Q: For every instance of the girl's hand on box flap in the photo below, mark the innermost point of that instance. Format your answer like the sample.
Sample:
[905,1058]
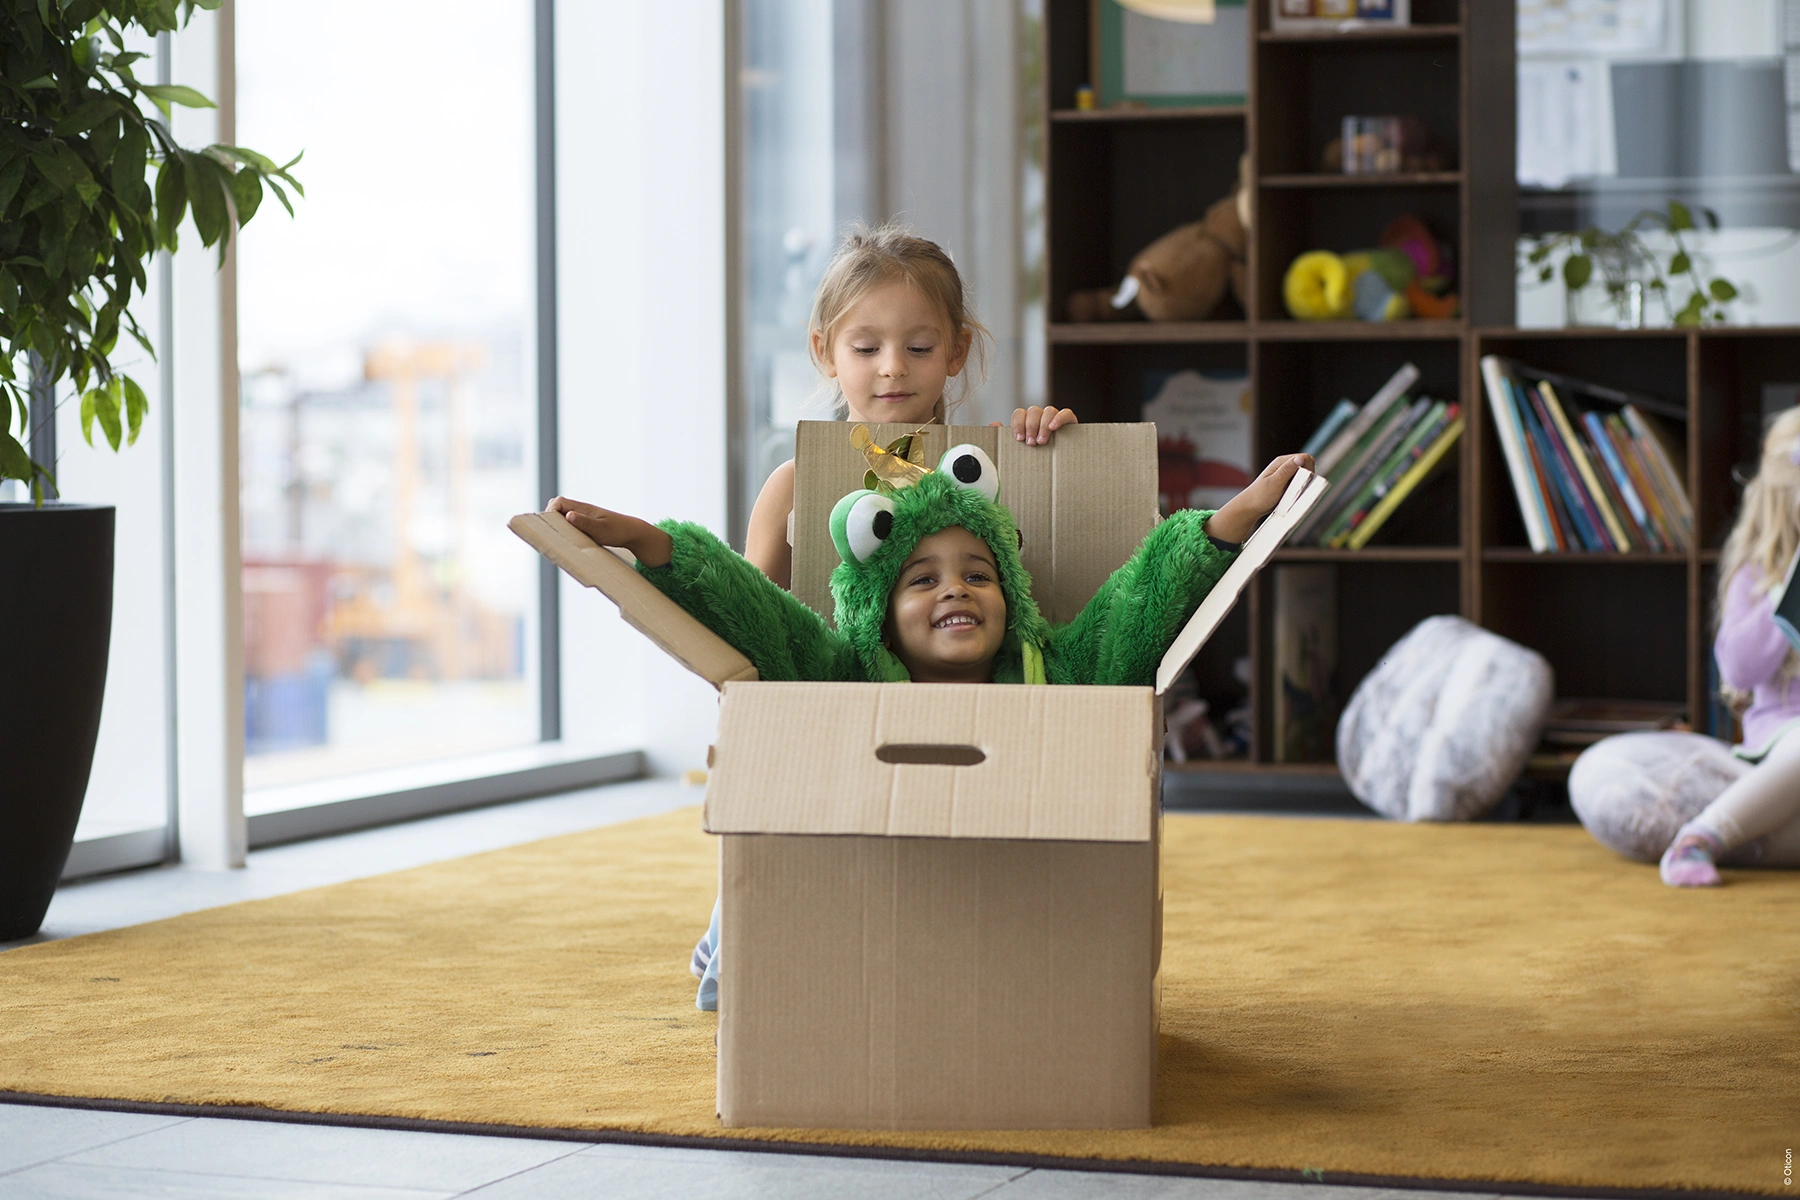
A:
[1238,516]
[650,545]
[1034,425]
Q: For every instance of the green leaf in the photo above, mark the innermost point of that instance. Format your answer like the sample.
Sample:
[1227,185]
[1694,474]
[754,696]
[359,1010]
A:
[206,193]
[14,462]
[136,406]
[1680,264]
[1577,270]
[11,176]
[106,411]
[247,194]
[164,94]
[281,196]
[171,198]
[1710,217]
[89,191]
[1546,273]
[42,81]
[249,158]
[1679,216]
[1693,311]
[1722,290]
[86,117]
[88,401]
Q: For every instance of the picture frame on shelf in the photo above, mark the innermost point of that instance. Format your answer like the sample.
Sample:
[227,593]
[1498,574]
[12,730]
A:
[1144,61]
[1326,16]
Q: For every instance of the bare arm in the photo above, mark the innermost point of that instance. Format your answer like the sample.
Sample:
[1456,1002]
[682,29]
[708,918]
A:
[766,541]
[648,544]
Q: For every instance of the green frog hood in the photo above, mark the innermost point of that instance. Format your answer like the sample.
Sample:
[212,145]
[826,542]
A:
[877,529]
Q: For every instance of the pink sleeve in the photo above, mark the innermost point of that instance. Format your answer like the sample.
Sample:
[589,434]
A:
[1750,646]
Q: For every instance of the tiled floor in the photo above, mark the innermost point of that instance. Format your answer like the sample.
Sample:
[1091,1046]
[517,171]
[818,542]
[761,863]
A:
[65,1153]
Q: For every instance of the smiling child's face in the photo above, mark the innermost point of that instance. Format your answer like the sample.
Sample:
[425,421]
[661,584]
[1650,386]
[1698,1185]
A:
[892,354]
[947,613]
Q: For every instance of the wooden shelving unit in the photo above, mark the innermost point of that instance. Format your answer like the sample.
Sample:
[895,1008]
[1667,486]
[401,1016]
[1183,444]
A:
[1624,626]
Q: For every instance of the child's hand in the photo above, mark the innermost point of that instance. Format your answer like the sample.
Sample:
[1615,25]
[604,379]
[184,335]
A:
[1034,425]
[650,545]
[1238,517]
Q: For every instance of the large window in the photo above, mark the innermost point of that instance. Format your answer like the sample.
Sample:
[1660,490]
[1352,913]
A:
[1625,105]
[389,414]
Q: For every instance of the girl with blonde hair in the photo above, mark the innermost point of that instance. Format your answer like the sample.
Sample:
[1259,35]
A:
[1755,820]
[891,329]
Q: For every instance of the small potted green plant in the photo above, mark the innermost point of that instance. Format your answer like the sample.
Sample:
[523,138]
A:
[92,186]
[1628,272]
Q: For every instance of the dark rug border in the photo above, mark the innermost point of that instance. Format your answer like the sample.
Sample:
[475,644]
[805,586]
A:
[891,1153]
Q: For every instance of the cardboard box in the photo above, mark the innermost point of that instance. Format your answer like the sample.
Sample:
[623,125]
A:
[941,902]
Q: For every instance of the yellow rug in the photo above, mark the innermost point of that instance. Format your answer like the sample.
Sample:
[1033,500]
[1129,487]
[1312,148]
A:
[1343,1000]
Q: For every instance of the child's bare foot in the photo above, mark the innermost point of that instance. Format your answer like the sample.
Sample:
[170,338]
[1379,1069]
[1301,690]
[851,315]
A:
[1690,861]
[1034,425]
[1238,516]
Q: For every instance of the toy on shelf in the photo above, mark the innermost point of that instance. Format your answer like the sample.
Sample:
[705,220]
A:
[1184,274]
[1384,145]
[1411,273]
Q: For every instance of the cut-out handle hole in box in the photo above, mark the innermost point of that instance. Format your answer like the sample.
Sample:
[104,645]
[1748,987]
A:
[930,754]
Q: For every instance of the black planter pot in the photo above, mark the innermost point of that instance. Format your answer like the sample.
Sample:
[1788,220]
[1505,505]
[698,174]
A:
[56,590]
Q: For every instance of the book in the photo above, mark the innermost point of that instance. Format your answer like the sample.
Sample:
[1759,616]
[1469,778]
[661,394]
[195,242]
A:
[1305,662]
[1786,603]
[1532,503]
[1407,482]
[1361,466]
[1573,450]
[1668,469]
[1575,497]
[1568,509]
[1328,429]
[1352,433]
[1202,421]
[1602,441]
[1632,459]
[1426,427]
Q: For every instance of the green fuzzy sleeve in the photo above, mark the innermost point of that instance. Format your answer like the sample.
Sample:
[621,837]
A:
[1122,634]
[721,589]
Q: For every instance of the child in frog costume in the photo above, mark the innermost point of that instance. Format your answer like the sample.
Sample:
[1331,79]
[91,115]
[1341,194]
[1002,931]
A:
[931,589]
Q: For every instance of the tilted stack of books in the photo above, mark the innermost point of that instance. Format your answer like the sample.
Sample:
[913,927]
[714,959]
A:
[1375,456]
[1588,479]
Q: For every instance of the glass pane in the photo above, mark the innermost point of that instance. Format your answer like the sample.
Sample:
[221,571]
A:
[128,784]
[388,419]
[1625,107]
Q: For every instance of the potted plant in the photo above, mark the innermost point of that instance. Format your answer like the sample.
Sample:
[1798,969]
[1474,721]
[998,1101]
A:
[79,221]
[1629,272]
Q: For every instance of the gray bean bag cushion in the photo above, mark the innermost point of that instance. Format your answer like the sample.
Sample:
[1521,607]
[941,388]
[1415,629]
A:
[1444,723]
[1633,791]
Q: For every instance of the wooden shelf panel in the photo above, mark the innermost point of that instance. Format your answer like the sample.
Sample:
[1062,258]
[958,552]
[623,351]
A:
[1513,334]
[1230,766]
[1140,333]
[1102,116]
[1521,554]
[1351,37]
[1370,554]
[1358,331]
[1326,180]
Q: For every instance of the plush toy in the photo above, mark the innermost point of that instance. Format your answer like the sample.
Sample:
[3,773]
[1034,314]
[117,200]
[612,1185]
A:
[1184,274]
[1410,274]
[1119,638]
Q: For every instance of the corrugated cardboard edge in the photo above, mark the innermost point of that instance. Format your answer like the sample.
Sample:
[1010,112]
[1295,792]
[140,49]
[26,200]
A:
[1302,493]
[644,608]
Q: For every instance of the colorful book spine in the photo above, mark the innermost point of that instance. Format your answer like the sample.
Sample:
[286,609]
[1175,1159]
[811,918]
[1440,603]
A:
[1366,464]
[1572,449]
[1532,504]
[1404,486]
[1622,482]
[1574,494]
[1396,464]
[1632,458]
[1575,529]
[1329,428]
[1351,435]
[1665,461]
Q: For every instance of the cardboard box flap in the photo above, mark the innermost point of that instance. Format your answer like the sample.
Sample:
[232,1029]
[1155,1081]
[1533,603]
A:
[644,608]
[936,760]
[1302,493]
[1083,502]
